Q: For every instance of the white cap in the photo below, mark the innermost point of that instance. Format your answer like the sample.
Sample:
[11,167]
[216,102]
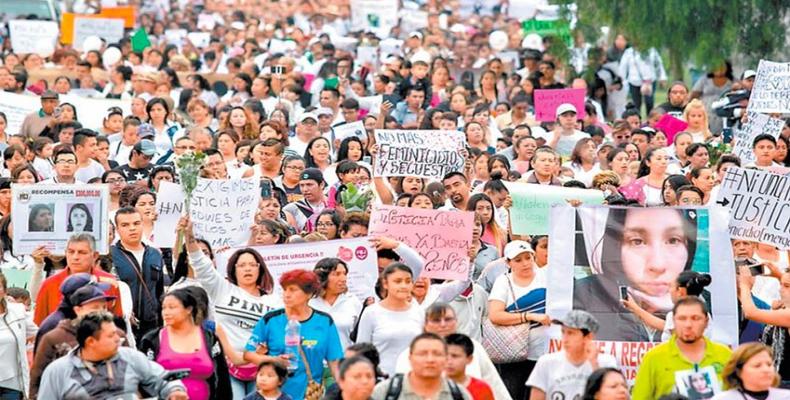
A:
[421,55]
[237,25]
[516,247]
[415,34]
[308,115]
[749,73]
[566,107]
[324,111]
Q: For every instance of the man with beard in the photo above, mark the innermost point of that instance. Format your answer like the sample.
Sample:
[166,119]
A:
[457,188]
[687,350]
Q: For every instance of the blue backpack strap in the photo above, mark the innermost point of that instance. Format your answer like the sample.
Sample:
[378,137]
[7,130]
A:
[395,387]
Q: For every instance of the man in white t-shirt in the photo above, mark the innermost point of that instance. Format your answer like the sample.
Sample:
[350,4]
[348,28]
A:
[565,135]
[85,149]
[306,130]
[562,375]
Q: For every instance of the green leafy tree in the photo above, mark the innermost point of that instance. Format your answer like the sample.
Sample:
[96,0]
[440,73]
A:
[705,32]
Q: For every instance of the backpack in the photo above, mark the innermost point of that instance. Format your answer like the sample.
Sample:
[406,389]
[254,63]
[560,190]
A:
[396,385]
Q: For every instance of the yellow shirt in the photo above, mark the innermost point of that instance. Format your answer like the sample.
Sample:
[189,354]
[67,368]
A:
[656,375]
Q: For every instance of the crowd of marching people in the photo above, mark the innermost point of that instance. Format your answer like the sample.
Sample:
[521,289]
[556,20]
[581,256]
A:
[172,323]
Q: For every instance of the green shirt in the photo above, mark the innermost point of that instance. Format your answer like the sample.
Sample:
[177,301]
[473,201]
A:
[656,375]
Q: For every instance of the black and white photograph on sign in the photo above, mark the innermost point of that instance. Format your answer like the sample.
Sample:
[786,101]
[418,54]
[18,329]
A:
[625,260]
[56,212]
[80,218]
[41,217]
[699,384]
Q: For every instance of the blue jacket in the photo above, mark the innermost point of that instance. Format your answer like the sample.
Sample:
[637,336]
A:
[145,296]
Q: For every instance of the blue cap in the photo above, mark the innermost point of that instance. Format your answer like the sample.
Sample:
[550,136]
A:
[146,147]
[76,281]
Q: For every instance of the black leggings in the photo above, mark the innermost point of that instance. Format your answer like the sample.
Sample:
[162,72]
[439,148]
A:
[515,375]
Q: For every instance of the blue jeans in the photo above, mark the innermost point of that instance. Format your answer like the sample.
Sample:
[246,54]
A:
[10,394]
[240,388]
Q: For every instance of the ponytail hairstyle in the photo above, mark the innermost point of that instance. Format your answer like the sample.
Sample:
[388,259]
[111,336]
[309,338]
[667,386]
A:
[693,282]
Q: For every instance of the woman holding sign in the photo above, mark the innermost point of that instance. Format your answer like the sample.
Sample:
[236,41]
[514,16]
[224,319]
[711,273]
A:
[239,300]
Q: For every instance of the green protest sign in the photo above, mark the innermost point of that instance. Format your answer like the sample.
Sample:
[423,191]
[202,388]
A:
[558,27]
[532,203]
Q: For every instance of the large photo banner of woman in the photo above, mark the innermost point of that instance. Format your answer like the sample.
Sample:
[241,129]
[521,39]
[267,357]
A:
[50,214]
[624,266]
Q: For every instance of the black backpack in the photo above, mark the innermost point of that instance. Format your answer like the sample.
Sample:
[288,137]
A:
[396,385]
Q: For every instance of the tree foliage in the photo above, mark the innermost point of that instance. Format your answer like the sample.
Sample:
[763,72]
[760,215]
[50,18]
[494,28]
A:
[705,32]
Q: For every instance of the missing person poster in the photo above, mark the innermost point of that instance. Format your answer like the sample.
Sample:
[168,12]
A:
[358,254]
[420,153]
[49,214]
[602,255]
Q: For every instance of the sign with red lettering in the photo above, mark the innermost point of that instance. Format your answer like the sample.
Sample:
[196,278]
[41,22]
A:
[47,215]
[617,262]
[358,254]
[442,238]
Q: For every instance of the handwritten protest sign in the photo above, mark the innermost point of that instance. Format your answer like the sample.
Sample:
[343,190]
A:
[590,265]
[358,254]
[759,203]
[109,29]
[380,15]
[529,214]
[771,90]
[29,36]
[413,20]
[353,129]
[547,101]
[49,214]
[671,126]
[169,208]
[426,154]
[757,124]
[17,106]
[442,238]
[223,211]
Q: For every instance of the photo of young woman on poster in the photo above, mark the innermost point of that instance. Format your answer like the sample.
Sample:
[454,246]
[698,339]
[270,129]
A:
[40,218]
[80,219]
[638,255]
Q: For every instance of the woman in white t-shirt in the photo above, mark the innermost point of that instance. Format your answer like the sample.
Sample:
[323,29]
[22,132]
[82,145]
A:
[583,161]
[519,297]
[393,322]
[335,299]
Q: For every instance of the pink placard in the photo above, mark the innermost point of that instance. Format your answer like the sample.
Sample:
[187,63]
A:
[308,81]
[442,238]
[547,101]
[671,126]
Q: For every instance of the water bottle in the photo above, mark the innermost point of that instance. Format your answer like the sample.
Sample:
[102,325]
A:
[292,338]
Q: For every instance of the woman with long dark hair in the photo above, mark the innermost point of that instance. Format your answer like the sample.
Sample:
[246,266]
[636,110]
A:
[240,299]
[641,251]
[80,219]
[185,343]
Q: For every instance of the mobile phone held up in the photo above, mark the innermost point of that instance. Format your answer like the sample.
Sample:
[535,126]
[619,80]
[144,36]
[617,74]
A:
[623,293]
[266,189]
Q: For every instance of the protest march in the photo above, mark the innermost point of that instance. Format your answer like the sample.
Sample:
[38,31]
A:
[392,199]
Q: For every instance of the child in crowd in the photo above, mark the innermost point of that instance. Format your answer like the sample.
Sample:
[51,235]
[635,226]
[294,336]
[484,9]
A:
[459,354]
[270,379]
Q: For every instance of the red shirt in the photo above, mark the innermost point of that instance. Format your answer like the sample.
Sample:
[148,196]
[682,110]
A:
[49,295]
[479,389]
